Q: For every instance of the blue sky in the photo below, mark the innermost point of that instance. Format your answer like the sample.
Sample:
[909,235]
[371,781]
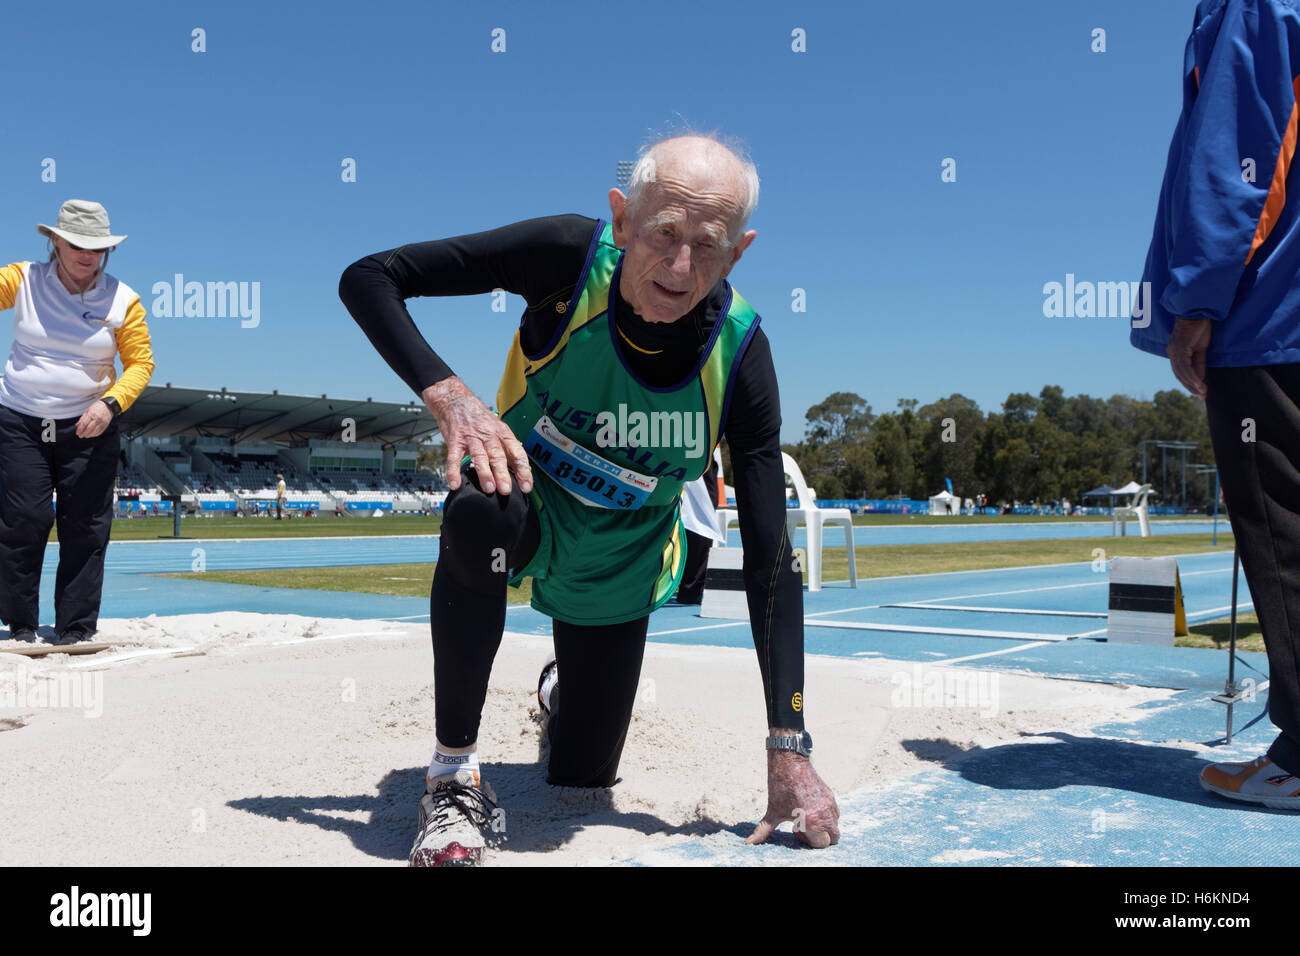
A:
[225,166]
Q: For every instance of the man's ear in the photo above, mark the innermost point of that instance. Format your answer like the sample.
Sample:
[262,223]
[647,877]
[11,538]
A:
[618,216]
[739,250]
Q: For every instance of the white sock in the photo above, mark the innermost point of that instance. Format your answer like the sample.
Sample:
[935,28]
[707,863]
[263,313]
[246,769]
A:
[445,763]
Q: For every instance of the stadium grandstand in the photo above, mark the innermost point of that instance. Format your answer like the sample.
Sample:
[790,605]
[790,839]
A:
[219,453]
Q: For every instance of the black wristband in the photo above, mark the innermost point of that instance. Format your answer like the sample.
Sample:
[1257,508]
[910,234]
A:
[113,406]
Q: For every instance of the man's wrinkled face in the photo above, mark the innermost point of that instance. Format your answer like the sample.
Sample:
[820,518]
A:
[676,243]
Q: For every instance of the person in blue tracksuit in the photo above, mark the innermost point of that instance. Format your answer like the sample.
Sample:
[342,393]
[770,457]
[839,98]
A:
[1223,305]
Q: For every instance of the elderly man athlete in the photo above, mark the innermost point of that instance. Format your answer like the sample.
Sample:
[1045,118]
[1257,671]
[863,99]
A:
[633,359]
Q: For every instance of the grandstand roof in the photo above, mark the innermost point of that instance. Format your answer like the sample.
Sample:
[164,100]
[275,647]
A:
[258,416]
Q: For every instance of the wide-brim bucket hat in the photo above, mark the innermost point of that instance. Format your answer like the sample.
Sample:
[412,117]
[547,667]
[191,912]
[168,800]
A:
[83,224]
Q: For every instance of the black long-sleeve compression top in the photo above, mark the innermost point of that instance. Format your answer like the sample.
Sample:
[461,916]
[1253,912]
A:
[541,260]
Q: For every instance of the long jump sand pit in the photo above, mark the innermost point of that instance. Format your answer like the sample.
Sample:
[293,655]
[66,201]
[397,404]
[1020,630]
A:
[249,739]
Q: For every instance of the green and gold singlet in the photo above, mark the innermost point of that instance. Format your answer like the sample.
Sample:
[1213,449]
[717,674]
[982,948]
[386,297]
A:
[610,454]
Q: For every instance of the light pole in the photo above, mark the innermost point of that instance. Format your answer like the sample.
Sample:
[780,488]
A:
[1163,444]
[1205,470]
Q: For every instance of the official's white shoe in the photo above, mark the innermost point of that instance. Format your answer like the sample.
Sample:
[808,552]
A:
[457,812]
[1259,781]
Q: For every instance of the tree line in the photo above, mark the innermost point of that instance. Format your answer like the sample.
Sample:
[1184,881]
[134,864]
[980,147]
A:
[1036,448]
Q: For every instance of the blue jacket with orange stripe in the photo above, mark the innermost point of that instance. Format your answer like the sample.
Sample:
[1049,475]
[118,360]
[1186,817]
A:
[1226,244]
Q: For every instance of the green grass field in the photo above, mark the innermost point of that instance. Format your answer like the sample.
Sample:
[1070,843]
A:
[148,529]
[884,560]
[412,580]
[403,580]
[1215,634]
[874,519]
[326,525]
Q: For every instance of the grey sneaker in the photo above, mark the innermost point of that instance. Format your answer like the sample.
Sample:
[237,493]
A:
[22,632]
[458,815]
[73,635]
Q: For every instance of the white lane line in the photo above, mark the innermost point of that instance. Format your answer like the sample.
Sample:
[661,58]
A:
[1005,650]
[996,610]
[1226,607]
[702,627]
[846,610]
[957,631]
[1051,587]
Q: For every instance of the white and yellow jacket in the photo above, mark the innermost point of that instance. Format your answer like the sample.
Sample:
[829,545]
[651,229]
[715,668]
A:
[65,345]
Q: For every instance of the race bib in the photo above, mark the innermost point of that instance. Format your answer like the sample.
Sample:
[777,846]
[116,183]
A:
[584,474]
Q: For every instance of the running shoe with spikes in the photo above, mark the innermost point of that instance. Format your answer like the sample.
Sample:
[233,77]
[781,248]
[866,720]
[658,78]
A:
[1259,781]
[458,814]
[546,688]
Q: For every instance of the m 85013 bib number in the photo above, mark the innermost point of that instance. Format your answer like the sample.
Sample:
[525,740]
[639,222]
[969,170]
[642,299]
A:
[584,474]
[580,477]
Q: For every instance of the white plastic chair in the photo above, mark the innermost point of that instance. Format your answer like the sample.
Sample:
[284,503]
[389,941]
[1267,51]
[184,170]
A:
[726,518]
[1137,508]
[813,518]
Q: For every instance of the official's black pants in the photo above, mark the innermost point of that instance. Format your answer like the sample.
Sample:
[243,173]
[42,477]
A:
[1261,485]
[35,460]
[483,537]
[691,590]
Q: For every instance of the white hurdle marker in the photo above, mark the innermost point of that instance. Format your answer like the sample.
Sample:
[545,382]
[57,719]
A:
[1146,601]
[724,585]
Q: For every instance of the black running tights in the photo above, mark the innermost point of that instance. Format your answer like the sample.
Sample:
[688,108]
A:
[484,539]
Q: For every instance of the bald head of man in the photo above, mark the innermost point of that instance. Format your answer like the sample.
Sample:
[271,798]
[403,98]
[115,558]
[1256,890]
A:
[682,224]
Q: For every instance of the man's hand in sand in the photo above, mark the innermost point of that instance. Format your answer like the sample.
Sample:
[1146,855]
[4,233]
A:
[469,428]
[795,792]
[1186,350]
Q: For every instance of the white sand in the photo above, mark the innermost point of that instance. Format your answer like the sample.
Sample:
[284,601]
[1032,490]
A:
[293,740]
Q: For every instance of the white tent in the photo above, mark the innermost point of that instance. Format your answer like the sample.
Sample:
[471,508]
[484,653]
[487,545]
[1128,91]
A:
[1131,488]
[944,504]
